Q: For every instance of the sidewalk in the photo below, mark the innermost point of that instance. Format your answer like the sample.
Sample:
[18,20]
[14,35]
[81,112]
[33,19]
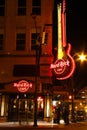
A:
[40,124]
[31,124]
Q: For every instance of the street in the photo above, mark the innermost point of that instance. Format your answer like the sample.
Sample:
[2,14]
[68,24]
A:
[46,126]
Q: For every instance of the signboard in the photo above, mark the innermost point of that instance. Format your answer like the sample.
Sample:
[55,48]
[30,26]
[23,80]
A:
[23,86]
[64,66]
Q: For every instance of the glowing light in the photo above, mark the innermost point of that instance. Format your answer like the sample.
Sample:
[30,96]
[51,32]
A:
[59,63]
[64,66]
[70,97]
[85,108]
[62,121]
[80,104]
[2,106]
[39,99]
[48,106]
[54,103]
[64,24]
[60,52]
[23,86]
[82,57]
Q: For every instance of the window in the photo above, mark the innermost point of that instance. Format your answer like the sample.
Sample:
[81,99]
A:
[24,70]
[20,41]
[21,7]
[36,7]
[2,7]
[1,41]
[34,39]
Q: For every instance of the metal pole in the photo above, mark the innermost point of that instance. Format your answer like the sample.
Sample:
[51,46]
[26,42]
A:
[35,96]
[73,113]
[36,75]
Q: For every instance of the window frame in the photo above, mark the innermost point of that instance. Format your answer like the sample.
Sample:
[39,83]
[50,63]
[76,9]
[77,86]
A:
[35,37]
[2,8]
[21,8]
[1,42]
[20,41]
[36,7]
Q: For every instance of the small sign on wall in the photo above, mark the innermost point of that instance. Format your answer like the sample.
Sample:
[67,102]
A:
[23,86]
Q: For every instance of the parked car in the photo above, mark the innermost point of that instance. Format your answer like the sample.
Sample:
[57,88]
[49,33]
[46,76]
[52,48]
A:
[80,115]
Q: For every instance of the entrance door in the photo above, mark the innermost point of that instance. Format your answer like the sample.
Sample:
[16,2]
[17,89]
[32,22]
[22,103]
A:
[21,108]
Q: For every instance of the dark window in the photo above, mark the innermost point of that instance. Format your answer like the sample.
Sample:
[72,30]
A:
[2,86]
[36,7]
[20,41]
[1,42]
[35,37]
[2,7]
[21,7]
[24,70]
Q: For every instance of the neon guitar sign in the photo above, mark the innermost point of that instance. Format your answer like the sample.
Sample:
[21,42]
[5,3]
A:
[64,65]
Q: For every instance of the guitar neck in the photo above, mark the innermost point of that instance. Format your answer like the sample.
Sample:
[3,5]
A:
[64,23]
[59,50]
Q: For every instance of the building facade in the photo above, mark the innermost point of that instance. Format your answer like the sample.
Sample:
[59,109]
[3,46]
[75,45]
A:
[26,28]
[25,56]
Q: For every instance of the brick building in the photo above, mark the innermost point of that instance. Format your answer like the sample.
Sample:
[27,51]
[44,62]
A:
[25,57]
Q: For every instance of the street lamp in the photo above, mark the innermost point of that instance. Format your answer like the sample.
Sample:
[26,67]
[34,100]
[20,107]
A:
[80,57]
[37,71]
[39,41]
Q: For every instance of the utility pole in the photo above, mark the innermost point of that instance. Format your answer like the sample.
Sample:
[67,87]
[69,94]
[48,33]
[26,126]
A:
[38,51]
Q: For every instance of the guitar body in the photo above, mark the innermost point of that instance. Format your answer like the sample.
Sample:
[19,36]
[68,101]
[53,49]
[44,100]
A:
[64,67]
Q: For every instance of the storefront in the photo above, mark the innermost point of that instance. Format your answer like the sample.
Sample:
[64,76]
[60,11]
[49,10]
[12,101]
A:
[17,102]
[20,107]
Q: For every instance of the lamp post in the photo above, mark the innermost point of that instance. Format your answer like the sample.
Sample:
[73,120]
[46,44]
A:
[80,57]
[39,41]
[37,71]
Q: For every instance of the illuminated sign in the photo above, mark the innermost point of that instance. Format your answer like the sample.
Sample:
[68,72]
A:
[60,66]
[63,68]
[23,86]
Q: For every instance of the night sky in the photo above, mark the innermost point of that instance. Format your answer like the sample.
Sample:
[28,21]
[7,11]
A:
[76,28]
[77,36]
[77,24]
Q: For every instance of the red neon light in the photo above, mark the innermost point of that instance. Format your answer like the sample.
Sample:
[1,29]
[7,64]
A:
[64,66]
[59,63]
[72,65]
[61,66]
[23,86]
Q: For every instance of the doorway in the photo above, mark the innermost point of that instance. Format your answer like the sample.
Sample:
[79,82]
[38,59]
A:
[20,108]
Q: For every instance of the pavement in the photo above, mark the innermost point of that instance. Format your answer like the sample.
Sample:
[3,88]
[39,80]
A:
[24,123]
[40,124]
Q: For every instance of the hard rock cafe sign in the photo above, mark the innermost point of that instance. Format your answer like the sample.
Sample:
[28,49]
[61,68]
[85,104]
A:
[63,68]
[23,86]
[64,65]
[60,65]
